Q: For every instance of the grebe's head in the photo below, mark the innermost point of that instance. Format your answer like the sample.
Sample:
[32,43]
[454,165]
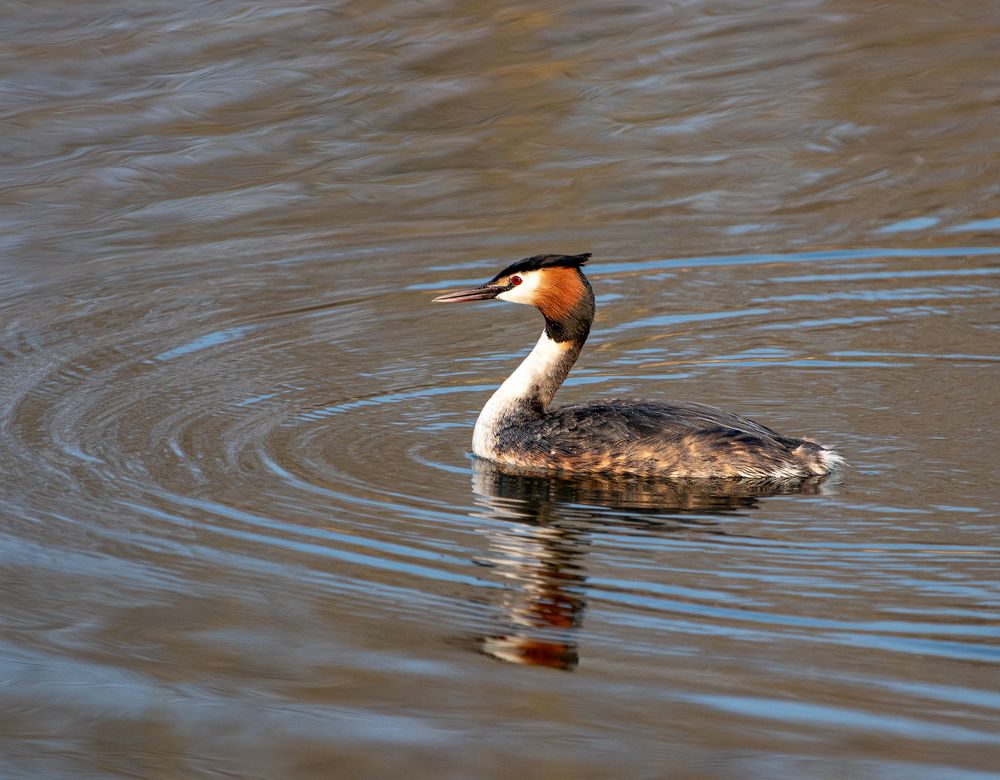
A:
[553,284]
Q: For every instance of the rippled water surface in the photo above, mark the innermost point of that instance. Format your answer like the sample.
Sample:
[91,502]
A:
[241,534]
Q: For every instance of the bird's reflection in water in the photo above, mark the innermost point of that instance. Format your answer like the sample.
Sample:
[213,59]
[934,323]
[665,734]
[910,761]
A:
[547,525]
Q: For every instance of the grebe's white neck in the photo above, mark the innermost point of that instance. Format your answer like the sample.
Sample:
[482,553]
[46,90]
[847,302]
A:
[527,392]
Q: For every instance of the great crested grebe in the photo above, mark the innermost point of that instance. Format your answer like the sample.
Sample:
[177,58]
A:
[518,428]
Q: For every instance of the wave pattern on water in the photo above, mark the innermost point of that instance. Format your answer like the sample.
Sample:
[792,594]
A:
[267,500]
[241,531]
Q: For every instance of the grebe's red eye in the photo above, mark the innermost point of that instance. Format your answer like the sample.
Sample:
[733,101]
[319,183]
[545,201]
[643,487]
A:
[515,280]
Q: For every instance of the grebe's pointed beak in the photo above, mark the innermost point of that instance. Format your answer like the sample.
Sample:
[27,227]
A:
[484,292]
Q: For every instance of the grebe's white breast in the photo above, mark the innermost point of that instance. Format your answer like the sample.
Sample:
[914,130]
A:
[529,389]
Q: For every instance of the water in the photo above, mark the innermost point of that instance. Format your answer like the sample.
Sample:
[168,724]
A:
[241,534]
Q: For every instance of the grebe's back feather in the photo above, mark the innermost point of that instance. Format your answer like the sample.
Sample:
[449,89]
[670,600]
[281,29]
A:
[682,439]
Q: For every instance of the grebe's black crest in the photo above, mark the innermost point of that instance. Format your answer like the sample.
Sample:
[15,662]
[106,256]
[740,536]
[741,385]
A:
[519,428]
[539,262]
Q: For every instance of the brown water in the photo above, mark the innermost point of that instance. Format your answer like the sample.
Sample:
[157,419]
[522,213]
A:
[241,534]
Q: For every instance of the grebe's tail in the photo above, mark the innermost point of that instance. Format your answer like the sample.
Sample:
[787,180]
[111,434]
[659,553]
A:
[819,460]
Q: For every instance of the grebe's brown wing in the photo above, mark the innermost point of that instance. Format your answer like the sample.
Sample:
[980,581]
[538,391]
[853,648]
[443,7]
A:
[629,421]
[679,439]
[686,416]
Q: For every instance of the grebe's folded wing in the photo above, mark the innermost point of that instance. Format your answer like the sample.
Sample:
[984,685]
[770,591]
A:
[677,438]
[632,420]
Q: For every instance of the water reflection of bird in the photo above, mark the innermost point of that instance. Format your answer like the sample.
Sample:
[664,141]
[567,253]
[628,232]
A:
[548,527]
[676,439]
